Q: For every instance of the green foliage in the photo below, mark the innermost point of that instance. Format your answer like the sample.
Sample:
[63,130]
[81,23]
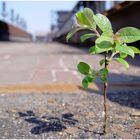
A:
[86,36]
[103,39]
[81,20]
[103,47]
[103,23]
[88,79]
[103,44]
[129,34]
[102,62]
[124,49]
[92,50]
[85,83]
[85,18]
[72,32]
[123,62]
[123,55]
[136,50]
[106,41]
[84,68]
[103,74]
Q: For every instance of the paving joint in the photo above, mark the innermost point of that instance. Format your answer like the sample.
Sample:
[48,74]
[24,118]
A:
[62,88]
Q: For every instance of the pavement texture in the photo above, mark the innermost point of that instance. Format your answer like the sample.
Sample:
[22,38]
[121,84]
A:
[69,116]
[52,67]
[45,98]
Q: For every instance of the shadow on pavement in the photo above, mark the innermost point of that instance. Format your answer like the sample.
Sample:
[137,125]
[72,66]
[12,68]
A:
[46,124]
[52,124]
[129,97]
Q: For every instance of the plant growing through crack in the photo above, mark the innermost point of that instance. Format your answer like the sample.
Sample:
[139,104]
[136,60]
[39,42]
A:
[106,42]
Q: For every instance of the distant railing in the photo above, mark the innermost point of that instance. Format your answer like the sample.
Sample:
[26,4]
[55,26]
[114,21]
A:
[8,16]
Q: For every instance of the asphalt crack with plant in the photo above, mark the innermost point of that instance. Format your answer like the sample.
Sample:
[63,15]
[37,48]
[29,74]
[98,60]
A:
[75,115]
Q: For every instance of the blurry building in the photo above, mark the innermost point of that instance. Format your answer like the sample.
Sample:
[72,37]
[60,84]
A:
[62,18]
[12,27]
[50,36]
[120,13]
[41,37]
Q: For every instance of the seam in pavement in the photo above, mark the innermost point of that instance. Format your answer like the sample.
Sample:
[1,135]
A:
[61,88]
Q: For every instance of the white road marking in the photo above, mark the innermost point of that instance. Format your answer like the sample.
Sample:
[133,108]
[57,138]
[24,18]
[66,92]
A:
[7,57]
[53,75]
[61,63]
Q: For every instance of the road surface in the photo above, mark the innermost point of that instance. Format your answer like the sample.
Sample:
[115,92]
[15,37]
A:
[24,65]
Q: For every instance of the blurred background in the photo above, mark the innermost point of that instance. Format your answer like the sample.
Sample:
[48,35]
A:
[33,47]
[48,21]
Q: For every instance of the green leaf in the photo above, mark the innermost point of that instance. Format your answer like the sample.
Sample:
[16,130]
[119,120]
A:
[129,34]
[103,39]
[103,72]
[103,78]
[87,36]
[136,50]
[123,55]
[89,17]
[83,68]
[102,62]
[92,50]
[85,83]
[123,62]
[103,23]
[74,30]
[86,18]
[103,44]
[124,49]
[81,19]
[90,78]
[103,47]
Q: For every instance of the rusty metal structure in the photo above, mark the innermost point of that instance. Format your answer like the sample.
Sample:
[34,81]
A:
[9,32]
[12,27]
[120,13]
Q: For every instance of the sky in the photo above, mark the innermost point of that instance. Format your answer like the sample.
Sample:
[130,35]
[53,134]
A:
[38,14]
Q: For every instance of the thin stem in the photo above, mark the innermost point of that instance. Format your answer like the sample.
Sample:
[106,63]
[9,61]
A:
[105,100]
[97,33]
[113,54]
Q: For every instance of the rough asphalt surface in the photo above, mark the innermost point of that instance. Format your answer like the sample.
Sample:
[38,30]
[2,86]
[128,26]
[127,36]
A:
[62,115]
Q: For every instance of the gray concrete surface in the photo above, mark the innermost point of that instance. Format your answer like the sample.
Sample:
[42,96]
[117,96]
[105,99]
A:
[29,63]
